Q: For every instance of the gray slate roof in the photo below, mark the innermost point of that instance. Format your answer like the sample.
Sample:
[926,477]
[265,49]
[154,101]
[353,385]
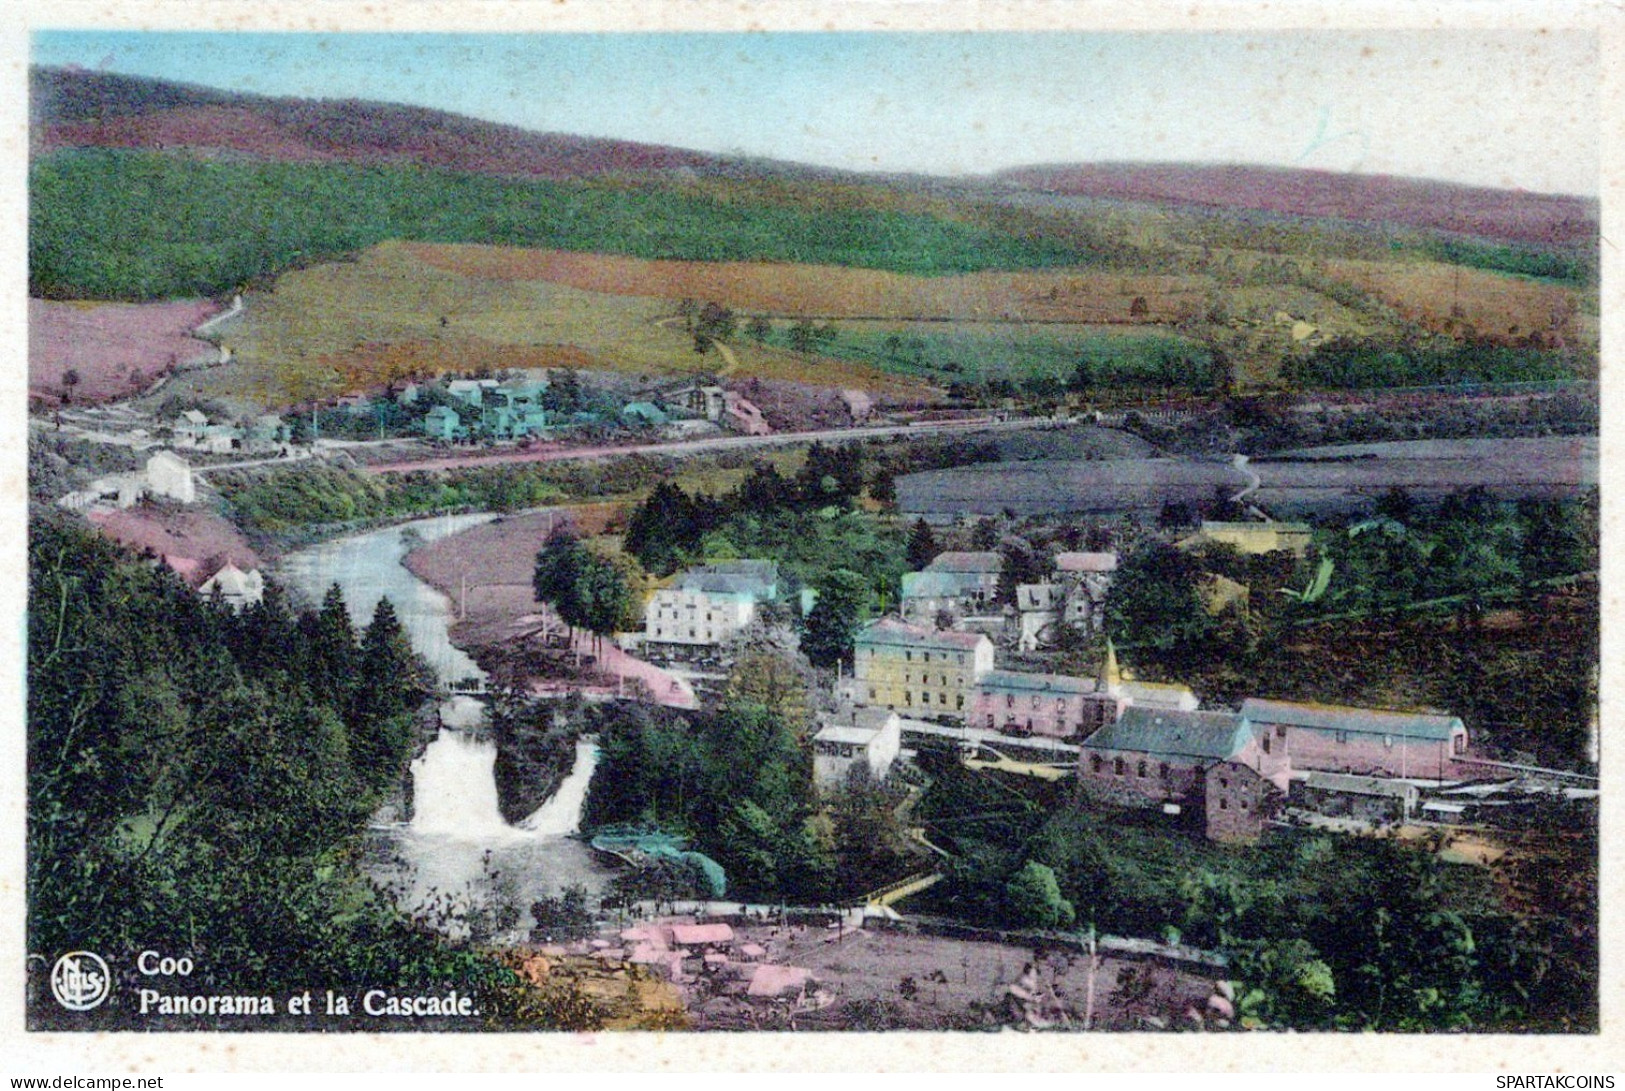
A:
[1213,736]
[1363,721]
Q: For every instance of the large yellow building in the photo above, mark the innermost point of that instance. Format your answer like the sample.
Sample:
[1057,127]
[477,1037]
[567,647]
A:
[917,671]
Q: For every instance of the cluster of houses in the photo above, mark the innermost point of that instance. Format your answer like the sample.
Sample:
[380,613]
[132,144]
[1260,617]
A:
[491,410]
[488,409]
[1140,743]
[193,430]
[958,589]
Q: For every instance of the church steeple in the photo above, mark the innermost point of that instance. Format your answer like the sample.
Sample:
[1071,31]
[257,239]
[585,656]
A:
[1111,679]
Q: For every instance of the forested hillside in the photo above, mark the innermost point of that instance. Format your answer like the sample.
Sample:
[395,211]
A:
[198,782]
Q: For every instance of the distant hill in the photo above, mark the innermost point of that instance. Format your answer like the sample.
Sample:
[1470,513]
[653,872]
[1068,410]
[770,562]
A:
[1507,215]
[140,189]
[79,109]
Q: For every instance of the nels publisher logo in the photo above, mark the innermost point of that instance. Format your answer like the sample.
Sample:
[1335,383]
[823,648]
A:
[80,980]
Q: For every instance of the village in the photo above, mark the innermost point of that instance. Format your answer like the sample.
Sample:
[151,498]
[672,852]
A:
[708,593]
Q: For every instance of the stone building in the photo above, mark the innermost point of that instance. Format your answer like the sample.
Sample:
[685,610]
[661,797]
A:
[872,740]
[1337,739]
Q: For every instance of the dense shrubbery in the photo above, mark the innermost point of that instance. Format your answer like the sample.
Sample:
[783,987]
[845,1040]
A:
[1323,931]
[1346,363]
[318,494]
[142,225]
[805,523]
[198,780]
[737,784]
[1526,261]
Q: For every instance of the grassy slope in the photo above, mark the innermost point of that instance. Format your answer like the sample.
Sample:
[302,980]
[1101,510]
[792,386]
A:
[347,324]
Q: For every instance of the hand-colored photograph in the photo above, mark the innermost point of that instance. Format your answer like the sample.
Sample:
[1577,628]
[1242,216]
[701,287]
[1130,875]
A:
[1057,532]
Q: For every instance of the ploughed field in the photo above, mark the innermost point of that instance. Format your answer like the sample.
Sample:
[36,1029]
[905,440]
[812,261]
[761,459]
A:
[116,349]
[1325,478]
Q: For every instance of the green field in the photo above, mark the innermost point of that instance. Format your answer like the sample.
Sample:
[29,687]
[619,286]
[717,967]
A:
[982,352]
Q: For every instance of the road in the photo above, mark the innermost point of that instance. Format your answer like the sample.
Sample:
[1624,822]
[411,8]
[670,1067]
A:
[992,740]
[724,443]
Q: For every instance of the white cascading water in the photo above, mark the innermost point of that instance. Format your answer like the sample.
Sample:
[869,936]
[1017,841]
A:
[561,814]
[454,790]
[456,846]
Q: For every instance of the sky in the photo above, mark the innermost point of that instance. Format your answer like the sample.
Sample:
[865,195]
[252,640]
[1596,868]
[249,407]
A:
[1512,109]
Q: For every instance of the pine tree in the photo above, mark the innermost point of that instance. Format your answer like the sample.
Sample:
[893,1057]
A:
[833,620]
[392,680]
[922,545]
[332,653]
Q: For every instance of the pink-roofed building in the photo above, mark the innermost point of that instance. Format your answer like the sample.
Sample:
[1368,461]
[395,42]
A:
[1018,703]
[1080,564]
[915,670]
[1380,742]
[702,935]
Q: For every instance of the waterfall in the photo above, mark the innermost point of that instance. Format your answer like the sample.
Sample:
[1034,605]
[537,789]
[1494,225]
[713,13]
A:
[457,854]
[455,789]
[561,814]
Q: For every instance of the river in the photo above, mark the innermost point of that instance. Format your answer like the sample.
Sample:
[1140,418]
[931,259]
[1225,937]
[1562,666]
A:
[457,864]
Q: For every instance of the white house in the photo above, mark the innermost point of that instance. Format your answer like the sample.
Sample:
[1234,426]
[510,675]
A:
[168,474]
[709,605]
[873,740]
[236,587]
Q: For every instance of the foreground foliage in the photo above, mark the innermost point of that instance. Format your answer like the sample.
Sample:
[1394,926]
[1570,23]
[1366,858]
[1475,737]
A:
[198,780]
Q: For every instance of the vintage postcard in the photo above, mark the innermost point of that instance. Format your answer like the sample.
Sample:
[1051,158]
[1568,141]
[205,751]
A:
[721,535]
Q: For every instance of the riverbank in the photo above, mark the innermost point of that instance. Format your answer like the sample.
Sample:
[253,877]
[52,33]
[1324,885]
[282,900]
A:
[486,573]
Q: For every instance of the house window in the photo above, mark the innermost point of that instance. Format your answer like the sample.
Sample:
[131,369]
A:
[1009,700]
[1265,741]
[1224,782]
[990,721]
[1117,766]
[1458,744]
[910,656]
[1224,804]
[1343,738]
[1388,741]
[871,693]
[1162,771]
[1140,771]
[1096,763]
[959,700]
